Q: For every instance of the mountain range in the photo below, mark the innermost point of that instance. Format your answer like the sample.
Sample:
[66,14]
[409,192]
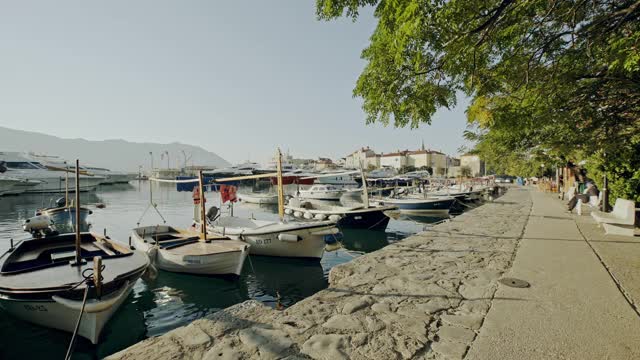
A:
[112,154]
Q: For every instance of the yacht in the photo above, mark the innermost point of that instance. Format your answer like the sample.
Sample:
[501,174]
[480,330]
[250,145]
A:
[340,180]
[321,192]
[51,178]
[111,176]
[14,186]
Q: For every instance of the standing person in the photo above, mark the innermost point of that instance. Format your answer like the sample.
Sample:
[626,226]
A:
[589,191]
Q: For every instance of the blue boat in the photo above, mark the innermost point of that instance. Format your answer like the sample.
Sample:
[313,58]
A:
[421,205]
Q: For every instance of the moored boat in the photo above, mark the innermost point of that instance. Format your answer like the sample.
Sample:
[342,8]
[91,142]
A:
[420,205]
[258,198]
[271,238]
[358,217]
[321,192]
[184,251]
[37,283]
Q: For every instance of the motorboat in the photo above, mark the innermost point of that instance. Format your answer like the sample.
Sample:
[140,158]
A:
[14,186]
[273,238]
[258,198]
[64,216]
[184,251]
[50,178]
[340,180]
[38,284]
[358,217]
[111,176]
[419,204]
[321,192]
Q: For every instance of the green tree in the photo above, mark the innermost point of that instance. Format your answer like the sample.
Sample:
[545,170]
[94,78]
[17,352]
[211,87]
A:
[465,171]
[426,168]
[550,81]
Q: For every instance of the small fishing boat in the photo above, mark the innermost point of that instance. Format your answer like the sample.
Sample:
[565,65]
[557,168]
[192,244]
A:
[64,217]
[357,217]
[37,283]
[321,192]
[184,251]
[272,238]
[258,198]
[418,204]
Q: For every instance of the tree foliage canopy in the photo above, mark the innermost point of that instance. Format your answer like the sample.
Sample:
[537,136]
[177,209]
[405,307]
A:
[550,80]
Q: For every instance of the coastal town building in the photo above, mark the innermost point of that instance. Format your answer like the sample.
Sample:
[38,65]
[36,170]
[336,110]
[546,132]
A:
[365,156]
[474,163]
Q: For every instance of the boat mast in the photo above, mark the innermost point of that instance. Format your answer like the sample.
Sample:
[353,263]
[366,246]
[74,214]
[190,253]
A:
[365,190]
[203,216]
[77,208]
[280,188]
[66,185]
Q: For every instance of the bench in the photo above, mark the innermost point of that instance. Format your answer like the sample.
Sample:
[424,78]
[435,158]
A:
[621,221]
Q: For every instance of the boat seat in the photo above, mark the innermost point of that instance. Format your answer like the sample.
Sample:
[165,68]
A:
[176,244]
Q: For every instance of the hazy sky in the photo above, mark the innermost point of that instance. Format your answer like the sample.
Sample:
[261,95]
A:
[235,77]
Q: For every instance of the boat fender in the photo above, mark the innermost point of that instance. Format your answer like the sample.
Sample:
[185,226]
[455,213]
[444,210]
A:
[297,214]
[288,211]
[320,217]
[308,215]
[289,237]
[334,217]
[40,222]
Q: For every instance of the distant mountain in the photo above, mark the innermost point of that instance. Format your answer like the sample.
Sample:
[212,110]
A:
[112,154]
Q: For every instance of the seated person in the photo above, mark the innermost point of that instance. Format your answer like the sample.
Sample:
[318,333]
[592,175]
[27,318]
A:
[589,191]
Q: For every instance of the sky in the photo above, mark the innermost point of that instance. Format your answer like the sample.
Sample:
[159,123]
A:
[238,78]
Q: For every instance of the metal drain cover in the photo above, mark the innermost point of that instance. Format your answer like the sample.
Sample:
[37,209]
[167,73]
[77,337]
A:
[516,283]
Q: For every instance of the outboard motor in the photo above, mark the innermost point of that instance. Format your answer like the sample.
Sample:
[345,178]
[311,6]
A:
[3,167]
[39,226]
[61,202]
[212,213]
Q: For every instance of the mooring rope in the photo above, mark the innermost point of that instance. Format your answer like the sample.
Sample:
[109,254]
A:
[90,281]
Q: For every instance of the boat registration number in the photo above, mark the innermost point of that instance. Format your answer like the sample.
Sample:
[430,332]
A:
[263,241]
[35,308]
[192,260]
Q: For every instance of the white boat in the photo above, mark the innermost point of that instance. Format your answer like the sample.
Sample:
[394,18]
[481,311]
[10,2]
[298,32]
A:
[358,217]
[339,180]
[271,238]
[50,178]
[183,251]
[111,176]
[37,283]
[258,198]
[321,192]
[14,186]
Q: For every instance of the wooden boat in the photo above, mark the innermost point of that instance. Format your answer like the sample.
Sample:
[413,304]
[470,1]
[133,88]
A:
[258,198]
[271,238]
[358,217]
[183,251]
[64,217]
[37,283]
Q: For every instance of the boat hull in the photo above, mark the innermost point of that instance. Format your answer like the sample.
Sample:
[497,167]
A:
[258,199]
[421,206]
[227,263]
[296,243]
[373,220]
[57,315]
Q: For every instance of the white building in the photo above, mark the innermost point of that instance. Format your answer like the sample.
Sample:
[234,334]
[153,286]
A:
[474,163]
[394,160]
[365,156]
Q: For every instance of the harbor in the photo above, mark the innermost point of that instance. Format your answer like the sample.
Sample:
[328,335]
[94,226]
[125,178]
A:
[327,180]
[514,278]
[171,299]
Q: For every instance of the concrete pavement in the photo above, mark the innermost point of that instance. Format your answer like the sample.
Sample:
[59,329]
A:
[578,305]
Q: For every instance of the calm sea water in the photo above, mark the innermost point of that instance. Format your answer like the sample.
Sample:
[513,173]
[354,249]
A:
[172,300]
